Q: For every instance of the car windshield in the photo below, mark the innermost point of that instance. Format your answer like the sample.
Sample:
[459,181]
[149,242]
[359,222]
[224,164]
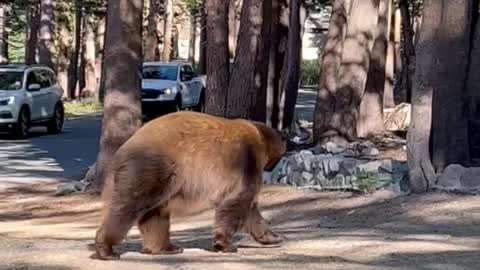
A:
[11,80]
[168,73]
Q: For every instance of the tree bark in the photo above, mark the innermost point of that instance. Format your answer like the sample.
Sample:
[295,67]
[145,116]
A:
[62,59]
[151,43]
[3,35]
[370,120]
[241,100]
[122,114]
[473,92]
[167,40]
[289,87]
[202,59]
[274,67]
[46,48]
[329,68]
[421,172]
[232,37]
[262,64]
[75,52]
[449,122]
[408,50]
[193,38]
[388,100]
[217,54]
[90,88]
[33,23]
[342,125]
[100,49]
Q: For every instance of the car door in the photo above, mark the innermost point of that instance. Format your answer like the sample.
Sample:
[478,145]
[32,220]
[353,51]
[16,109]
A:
[45,95]
[185,86]
[34,95]
[195,85]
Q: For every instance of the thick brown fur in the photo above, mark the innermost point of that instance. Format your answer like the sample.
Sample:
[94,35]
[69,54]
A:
[178,160]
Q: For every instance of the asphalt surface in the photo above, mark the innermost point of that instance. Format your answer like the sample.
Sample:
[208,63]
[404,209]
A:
[43,157]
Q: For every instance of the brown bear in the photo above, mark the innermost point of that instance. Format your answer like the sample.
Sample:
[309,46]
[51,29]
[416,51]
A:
[177,160]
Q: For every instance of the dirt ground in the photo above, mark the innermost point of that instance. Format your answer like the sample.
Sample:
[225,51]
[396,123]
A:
[327,230]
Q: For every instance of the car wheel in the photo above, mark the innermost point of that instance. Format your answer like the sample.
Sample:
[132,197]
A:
[23,124]
[56,123]
[201,103]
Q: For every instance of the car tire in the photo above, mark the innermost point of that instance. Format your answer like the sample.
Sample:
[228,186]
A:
[23,124]
[200,107]
[55,124]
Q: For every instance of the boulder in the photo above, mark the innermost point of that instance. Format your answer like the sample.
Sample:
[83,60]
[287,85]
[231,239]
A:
[451,176]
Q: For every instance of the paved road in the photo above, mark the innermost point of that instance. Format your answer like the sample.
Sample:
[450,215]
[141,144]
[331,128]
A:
[57,157]
[46,157]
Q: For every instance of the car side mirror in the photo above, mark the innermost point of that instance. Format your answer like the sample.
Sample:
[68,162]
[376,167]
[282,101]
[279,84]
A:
[34,87]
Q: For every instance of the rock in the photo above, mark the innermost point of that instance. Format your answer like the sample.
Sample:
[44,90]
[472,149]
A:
[277,172]
[307,176]
[398,118]
[451,176]
[307,157]
[333,148]
[471,179]
[70,187]
[372,166]
[348,166]
[370,151]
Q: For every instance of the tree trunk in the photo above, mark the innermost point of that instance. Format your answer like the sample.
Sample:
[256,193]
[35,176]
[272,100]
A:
[274,65]
[232,37]
[90,89]
[262,64]
[122,114]
[100,49]
[449,119]
[242,96]
[217,53]
[329,68]
[289,86]
[193,38]
[33,23]
[62,59]
[408,52]
[422,174]
[75,52]
[151,43]
[46,48]
[473,92]
[167,40]
[202,59]
[353,71]
[3,35]
[370,119]
[388,100]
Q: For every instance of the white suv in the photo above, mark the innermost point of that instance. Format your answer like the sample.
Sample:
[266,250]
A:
[30,96]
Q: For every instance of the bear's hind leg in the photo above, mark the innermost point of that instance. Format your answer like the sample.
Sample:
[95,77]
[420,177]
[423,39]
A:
[155,230]
[113,230]
[257,227]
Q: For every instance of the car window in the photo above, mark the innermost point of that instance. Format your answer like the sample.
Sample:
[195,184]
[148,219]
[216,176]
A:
[51,77]
[11,80]
[32,79]
[43,78]
[168,73]
[189,69]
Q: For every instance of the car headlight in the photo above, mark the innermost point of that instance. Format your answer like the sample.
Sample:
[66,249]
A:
[6,101]
[167,91]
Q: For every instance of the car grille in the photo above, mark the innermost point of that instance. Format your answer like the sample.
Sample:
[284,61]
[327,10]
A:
[151,93]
